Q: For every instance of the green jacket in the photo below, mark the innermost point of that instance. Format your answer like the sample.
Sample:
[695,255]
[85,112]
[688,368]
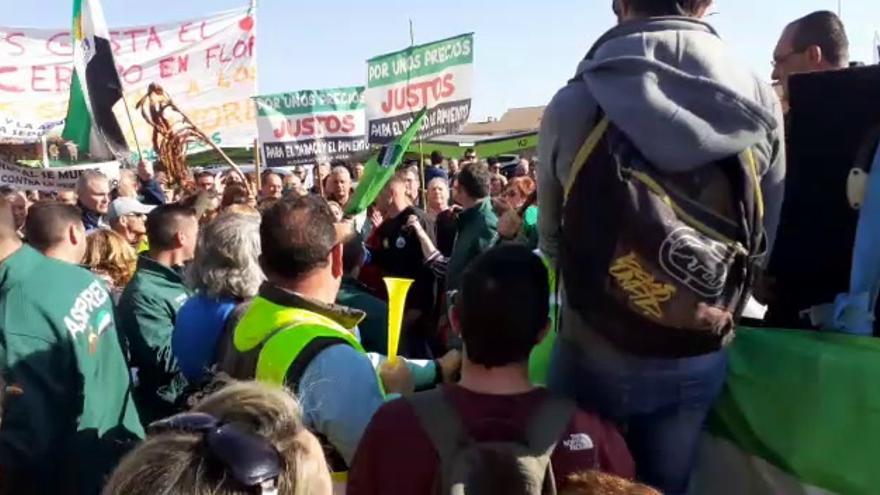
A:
[147,314]
[477,232]
[73,418]
[374,327]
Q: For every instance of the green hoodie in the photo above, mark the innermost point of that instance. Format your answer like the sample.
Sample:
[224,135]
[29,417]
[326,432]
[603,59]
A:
[72,418]
[477,232]
[147,314]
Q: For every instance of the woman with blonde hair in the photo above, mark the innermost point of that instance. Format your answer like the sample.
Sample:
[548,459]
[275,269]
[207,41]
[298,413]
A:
[111,257]
[247,438]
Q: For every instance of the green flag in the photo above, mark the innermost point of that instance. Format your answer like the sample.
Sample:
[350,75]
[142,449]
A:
[381,167]
[95,87]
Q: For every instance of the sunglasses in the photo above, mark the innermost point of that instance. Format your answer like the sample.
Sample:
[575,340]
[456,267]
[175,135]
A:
[251,459]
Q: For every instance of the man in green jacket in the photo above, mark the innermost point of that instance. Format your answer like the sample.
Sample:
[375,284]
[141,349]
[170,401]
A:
[67,411]
[149,305]
[477,224]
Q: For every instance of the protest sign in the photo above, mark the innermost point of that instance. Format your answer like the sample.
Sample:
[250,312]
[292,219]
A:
[16,131]
[52,179]
[207,65]
[437,75]
[312,126]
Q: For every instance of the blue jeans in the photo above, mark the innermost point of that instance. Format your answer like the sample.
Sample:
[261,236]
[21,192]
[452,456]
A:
[660,404]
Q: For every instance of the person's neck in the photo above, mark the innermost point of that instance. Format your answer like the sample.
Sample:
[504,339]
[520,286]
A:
[397,208]
[62,253]
[8,247]
[434,210]
[312,286]
[504,380]
[468,202]
[170,259]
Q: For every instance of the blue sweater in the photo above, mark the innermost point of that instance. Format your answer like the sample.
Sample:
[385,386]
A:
[198,329]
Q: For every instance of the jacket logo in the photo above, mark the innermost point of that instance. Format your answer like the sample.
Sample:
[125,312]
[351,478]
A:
[78,317]
[578,442]
[642,288]
[696,261]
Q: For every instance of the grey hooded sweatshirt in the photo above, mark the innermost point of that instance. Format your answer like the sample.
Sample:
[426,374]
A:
[672,87]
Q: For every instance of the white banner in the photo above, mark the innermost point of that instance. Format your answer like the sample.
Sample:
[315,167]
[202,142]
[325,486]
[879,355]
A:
[437,75]
[314,126]
[52,179]
[208,66]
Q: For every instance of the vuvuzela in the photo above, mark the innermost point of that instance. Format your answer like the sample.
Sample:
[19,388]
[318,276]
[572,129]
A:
[397,290]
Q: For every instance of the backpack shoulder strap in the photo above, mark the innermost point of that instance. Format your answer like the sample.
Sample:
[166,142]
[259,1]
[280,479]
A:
[548,423]
[441,422]
[586,150]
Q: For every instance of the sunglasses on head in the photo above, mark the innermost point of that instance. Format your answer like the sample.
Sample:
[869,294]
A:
[251,459]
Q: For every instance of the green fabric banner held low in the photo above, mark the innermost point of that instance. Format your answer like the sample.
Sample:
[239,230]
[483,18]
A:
[381,167]
[808,403]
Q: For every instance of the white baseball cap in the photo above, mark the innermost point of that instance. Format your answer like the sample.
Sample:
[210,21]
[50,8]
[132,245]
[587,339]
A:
[124,206]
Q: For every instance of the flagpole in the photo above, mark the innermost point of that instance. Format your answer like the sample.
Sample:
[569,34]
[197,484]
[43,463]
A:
[423,187]
[131,123]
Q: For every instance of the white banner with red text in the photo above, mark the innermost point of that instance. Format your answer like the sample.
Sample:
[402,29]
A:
[436,75]
[208,66]
[51,179]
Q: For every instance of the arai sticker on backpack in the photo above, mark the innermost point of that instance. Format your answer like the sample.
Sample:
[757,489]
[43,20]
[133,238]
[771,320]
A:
[696,261]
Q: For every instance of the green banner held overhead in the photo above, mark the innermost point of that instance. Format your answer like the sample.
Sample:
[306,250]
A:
[381,167]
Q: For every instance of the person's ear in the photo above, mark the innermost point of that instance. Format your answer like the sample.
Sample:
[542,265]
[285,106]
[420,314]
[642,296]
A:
[179,239]
[336,261]
[701,11]
[815,55]
[73,235]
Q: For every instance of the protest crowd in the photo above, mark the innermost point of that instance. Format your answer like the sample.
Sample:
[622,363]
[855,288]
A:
[229,333]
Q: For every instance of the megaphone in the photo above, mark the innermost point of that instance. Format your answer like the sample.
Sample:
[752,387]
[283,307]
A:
[397,291]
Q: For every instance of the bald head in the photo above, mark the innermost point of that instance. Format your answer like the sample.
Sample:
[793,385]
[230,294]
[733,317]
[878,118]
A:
[339,185]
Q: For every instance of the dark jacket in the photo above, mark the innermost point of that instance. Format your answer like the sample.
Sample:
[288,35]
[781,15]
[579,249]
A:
[91,220]
[477,232]
[151,192]
[374,327]
[147,314]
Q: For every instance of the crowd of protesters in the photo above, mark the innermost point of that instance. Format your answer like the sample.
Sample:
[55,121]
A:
[216,336]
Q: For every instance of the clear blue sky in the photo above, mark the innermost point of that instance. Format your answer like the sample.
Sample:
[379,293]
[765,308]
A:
[525,50]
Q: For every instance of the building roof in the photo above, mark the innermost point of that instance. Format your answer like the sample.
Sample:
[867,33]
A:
[525,119]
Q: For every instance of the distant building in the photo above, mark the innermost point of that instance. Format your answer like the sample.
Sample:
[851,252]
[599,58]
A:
[514,121]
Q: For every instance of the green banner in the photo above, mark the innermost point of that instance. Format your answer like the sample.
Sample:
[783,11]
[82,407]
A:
[420,60]
[808,403]
[310,101]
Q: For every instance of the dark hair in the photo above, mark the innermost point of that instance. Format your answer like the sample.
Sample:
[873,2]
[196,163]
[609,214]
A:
[503,305]
[234,194]
[436,157]
[825,30]
[297,234]
[203,173]
[163,224]
[47,223]
[492,161]
[657,8]
[353,254]
[475,179]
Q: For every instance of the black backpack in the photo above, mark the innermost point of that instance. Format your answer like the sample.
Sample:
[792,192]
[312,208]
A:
[468,467]
[661,264]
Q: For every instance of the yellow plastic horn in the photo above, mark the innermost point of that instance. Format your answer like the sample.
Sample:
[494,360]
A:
[397,291]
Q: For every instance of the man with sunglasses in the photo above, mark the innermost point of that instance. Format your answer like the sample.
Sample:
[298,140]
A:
[128,218]
[814,43]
